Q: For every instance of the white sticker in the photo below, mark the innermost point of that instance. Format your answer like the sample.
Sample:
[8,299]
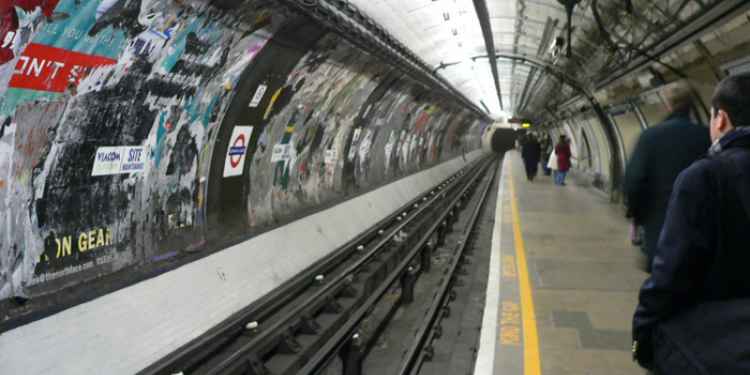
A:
[107,161]
[356,135]
[364,146]
[388,149]
[389,145]
[353,145]
[134,159]
[259,93]
[234,163]
[330,157]
[111,160]
[281,153]
[367,111]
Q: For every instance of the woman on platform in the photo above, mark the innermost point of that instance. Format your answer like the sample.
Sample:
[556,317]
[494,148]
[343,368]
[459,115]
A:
[562,150]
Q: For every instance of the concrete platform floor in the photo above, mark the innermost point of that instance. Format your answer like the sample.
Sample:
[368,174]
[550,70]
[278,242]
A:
[582,279]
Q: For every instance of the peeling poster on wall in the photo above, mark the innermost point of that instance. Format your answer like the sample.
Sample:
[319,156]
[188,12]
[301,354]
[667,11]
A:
[46,68]
[235,160]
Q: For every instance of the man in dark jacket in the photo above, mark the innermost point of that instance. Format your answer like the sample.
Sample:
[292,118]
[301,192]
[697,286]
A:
[662,152]
[531,152]
[702,254]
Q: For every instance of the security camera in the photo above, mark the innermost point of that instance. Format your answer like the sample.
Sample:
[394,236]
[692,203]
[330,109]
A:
[557,46]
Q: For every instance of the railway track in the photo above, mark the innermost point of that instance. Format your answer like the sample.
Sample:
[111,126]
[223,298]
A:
[314,319]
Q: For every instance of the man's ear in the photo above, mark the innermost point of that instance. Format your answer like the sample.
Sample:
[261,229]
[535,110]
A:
[725,123]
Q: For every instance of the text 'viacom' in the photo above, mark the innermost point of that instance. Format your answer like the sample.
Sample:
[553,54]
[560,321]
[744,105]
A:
[119,160]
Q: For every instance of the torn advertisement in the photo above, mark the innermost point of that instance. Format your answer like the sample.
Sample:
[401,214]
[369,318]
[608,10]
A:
[46,68]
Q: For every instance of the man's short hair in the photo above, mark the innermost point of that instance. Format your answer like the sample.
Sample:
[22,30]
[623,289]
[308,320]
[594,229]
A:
[732,95]
[679,95]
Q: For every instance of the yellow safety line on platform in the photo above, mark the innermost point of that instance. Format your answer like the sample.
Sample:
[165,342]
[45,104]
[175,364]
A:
[531,361]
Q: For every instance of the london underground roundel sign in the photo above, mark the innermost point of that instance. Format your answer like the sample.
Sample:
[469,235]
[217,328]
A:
[237,151]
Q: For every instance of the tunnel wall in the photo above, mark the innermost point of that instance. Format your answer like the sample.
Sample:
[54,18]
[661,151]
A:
[635,104]
[141,134]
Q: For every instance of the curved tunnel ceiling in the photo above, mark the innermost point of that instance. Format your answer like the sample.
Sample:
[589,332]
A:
[448,36]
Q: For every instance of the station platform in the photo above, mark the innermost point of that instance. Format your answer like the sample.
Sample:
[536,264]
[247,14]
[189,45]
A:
[563,281]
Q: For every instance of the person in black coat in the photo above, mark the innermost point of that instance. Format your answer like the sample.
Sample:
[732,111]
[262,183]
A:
[531,152]
[702,256]
[546,147]
[662,152]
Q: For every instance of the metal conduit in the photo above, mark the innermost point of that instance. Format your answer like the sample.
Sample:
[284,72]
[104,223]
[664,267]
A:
[489,43]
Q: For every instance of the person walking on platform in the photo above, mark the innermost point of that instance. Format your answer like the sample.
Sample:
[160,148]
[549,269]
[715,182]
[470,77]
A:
[661,153]
[531,153]
[546,146]
[693,315]
[562,151]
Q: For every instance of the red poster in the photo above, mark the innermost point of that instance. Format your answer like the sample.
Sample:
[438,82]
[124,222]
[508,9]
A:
[46,68]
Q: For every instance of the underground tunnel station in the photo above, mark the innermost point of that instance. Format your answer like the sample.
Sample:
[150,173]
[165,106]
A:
[376,187]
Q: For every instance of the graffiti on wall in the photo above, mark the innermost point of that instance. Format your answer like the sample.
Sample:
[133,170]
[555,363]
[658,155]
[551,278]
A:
[131,131]
[106,107]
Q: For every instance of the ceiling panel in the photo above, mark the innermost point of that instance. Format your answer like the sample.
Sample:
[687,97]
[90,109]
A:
[442,31]
[448,31]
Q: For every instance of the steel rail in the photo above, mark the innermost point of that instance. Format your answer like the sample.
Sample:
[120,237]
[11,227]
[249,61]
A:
[197,352]
[190,355]
[338,340]
[426,332]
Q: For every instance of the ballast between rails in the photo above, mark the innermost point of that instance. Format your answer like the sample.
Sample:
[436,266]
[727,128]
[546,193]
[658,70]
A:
[340,339]
[341,303]
[266,324]
[439,309]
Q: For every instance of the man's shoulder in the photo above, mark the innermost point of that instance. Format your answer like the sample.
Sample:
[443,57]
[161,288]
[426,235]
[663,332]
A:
[698,175]
[655,132]
[686,131]
[675,125]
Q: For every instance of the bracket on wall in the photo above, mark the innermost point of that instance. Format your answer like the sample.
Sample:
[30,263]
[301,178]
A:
[444,65]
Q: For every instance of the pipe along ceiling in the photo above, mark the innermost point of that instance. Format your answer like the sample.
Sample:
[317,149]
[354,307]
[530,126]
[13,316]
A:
[587,43]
